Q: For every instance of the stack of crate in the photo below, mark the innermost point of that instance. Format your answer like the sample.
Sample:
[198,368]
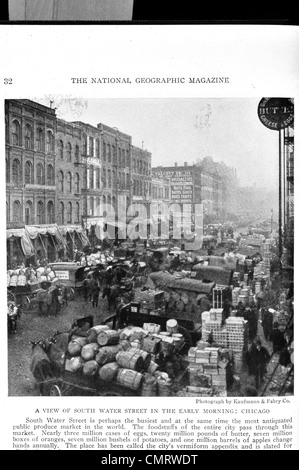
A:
[237,333]
[206,369]
[212,323]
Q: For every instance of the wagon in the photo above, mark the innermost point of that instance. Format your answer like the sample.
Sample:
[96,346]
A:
[23,295]
[57,381]
[70,275]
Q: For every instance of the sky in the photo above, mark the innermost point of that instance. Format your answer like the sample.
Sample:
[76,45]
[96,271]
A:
[185,130]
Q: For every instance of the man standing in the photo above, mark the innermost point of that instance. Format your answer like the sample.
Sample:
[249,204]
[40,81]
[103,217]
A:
[278,339]
[262,358]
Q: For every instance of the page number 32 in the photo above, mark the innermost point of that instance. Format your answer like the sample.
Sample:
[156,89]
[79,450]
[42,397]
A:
[7,81]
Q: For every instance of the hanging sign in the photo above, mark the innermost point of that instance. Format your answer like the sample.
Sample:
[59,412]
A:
[276,113]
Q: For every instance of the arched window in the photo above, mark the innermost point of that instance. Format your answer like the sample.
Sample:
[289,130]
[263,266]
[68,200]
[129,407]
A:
[7,213]
[50,176]
[40,174]
[7,170]
[40,213]
[50,212]
[119,156]
[91,206]
[85,180]
[6,132]
[104,151]
[123,181]
[50,142]
[91,177]
[91,147]
[16,211]
[69,152]
[114,155]
[28,137]
[69,182]
[109,200]
[97,148]
[60,182]
[104,200]
[77,183]
[77,153]
[60,149]
[114,179]
[16,133]
[123,157]
[109,179]
[128,181]
[28,213]
[128,158]
[114,202]
[28,173]
[109,152]
[39,140]
[134,166]
[77,212]
[16,172]
[84,149]
[61,213]
[98,177]
[104,179]
[69,213]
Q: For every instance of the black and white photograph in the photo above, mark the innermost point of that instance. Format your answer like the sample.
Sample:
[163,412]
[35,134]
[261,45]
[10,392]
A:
[170,224]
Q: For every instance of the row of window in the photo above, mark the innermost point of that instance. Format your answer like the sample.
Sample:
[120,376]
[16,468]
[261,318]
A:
[141,188]
[160,193]
[91,147]
[42,176]
[141,167]
[45,213]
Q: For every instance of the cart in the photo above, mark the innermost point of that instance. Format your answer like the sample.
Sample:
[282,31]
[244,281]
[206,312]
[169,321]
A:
[24,296]
[70,275]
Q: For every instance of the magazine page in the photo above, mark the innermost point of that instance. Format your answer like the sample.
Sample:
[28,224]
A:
[149,252]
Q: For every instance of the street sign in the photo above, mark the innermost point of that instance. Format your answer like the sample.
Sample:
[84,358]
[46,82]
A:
[276,113]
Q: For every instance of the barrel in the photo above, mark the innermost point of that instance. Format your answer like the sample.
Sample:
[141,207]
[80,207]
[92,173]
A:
[108,353]
[149,386]
[92,333]
[152,328]
[108,338]
[109,371]
[152,368]
[178,339]
[130,360]
[172,325]
[145,356]
[129,378]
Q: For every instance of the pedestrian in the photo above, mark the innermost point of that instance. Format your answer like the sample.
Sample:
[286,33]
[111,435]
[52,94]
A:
[277,338]
[86,287]
[251,357]
[95,293]
[259,299]
[240,310]
[249,316]
[267,323]
[262,358]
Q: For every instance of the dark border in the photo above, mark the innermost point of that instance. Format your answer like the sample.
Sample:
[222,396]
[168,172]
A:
[192,12]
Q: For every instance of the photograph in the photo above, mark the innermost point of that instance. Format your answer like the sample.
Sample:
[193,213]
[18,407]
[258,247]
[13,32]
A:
[150,246]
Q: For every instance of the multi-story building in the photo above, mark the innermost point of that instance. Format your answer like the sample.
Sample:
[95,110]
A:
[141,175]
[30,171]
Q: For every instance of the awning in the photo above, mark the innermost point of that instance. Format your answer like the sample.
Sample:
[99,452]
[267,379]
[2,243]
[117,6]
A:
[26,243]
[71,229]
[37,230]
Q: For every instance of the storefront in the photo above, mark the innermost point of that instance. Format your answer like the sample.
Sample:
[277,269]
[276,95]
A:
[47,240]
[19,247]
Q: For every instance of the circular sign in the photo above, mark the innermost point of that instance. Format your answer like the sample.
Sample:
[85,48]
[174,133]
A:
[276,113]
